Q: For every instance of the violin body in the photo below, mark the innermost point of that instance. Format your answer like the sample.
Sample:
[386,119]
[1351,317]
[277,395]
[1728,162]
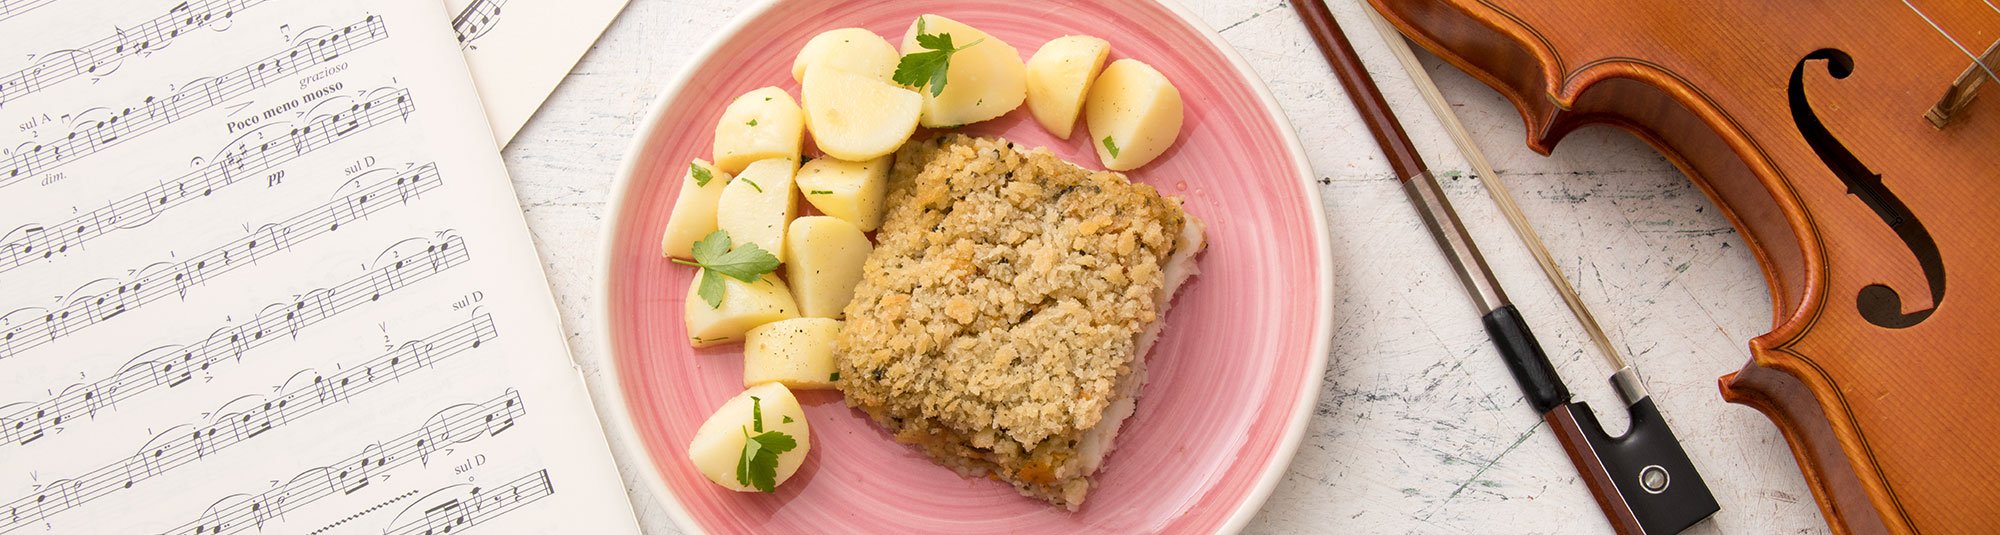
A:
[1877,231]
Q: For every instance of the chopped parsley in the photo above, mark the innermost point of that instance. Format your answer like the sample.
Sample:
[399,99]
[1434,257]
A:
[820,192]
[753,122]
[757,466]
[717,259]
[1110,147]
[834,377]
[918,69]
[701,175]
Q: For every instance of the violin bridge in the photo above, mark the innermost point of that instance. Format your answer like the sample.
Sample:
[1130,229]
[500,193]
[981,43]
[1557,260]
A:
[1961,90]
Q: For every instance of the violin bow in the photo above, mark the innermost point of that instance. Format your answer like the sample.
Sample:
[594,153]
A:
[1643,480]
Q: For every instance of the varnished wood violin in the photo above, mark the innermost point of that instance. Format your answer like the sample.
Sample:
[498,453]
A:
[1847,143]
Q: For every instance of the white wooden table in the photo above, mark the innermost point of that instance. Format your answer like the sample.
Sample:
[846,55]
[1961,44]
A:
[1419,428]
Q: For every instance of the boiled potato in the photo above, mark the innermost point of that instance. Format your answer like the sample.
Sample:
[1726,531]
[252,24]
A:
[1059,75]
[826,254]
[757,204]
[694,210]
[762,124]
[745,305]
[852,191]
[984,81]
[856,117]
[854,50]
[795,352]
[1133,114]
[718,443]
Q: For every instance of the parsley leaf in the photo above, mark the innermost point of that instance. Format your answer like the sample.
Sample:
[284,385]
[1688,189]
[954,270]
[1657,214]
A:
[776,441]
[745,263]
[753,122]
[701,175]
[752,454]
[717,259]
[757,465]
[918,69]
[1110,147]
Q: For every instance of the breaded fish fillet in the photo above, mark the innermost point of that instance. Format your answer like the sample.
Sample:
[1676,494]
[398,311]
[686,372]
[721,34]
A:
[1003,318]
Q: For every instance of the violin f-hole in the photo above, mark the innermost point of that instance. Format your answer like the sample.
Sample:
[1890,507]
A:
[1877,303]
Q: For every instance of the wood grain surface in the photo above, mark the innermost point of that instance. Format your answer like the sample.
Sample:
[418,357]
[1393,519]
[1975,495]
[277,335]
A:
[1419,428]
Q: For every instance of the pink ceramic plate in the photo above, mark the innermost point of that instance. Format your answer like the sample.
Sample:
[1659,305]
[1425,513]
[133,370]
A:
[1234,378]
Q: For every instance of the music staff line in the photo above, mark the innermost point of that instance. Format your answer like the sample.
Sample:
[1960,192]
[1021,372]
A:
[10,8]
[229,343]
[475,20]
[234,166]
[57,67]
[199,96]
[454,425]
[85,400]
[171,449]
[151,285]
[478,506]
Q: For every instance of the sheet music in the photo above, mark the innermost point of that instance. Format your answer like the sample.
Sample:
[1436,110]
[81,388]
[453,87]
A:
[520,50]
[261,271]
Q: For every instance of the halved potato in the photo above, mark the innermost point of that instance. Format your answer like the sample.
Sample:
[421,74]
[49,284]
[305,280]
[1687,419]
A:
[826,256]
[851,191]
[694,210]
[854,50]
[1133,114]
[855,116]
[745,305]
[984,81]
[762,124]
[718,443]
[757,204]
[795,352]
[1059,75]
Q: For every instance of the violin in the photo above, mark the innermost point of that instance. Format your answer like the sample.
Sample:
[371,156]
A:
[1846,143]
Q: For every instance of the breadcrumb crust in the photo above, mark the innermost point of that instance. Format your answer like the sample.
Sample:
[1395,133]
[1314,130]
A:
[1000,309]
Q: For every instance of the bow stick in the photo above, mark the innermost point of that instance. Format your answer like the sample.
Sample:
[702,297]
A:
[1643,480]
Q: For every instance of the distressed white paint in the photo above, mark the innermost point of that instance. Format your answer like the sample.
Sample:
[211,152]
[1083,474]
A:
[1419,428]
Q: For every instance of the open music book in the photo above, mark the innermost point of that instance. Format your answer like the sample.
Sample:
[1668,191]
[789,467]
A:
[262,271]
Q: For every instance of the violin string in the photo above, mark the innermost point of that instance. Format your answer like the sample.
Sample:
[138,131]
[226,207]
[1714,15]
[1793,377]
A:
[1954,42]
[1501,197]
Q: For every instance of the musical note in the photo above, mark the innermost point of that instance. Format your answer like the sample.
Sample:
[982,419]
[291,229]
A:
[103,55]
[238,162]
[476,19]
[198,96]
[173,448]
[467,508]
[30,423]
[463,422]
[237,297]
[155,284]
